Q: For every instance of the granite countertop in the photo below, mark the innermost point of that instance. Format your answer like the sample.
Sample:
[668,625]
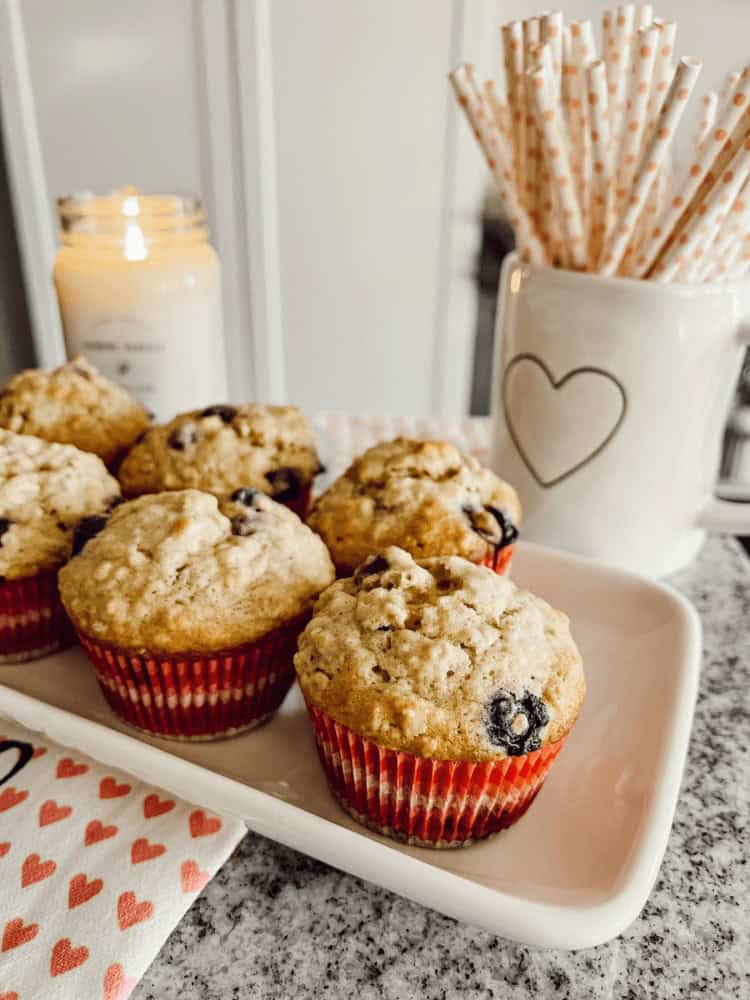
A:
[276,924]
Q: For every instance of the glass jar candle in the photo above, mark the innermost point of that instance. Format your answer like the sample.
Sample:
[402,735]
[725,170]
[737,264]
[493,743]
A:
[139,288]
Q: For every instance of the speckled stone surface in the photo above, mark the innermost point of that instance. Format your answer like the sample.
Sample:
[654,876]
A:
[275,924]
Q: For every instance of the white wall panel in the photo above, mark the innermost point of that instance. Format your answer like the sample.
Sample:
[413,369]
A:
[361,98]
[115,93]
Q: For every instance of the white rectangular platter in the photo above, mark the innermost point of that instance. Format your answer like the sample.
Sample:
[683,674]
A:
[573,873]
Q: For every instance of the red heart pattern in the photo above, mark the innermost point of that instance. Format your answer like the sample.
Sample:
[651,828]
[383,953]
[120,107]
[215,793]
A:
[96,831]
[131,912]
[109,789]
[39,752]
[17,933]
[114,982]
[9,797]
[154,806]
[81,956]
[117,986]
[193,879]
[35,870]
[51,812]
[68,769]
[202,825]
[143,851]
[80,890]
[65,957]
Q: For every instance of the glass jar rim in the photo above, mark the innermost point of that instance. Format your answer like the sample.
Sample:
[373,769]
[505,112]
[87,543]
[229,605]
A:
[129,204]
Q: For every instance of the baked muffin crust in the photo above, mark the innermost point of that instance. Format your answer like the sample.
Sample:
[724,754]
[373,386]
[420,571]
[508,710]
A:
[424,496]
[73,404]
[45,490]
[441,658]
[184,572]
[219,448]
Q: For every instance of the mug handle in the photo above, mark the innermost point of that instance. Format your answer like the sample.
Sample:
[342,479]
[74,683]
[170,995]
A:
[729,517]
[25,753]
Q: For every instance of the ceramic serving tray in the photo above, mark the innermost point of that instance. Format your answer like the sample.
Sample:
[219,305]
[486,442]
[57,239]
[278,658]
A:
[573,873]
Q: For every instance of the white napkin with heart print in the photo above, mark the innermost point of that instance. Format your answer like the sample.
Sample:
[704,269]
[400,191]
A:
[96,869]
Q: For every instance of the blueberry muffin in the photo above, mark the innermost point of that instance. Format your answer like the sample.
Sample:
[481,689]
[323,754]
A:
[270,448]
[451,674]
[74,405]
[45,491]
[190,606]
[426,497]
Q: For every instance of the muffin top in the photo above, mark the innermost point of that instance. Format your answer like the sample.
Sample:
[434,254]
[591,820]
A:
[76,405]
[425,496]
[186,572]
[441,658]
[45,490]
[270,448]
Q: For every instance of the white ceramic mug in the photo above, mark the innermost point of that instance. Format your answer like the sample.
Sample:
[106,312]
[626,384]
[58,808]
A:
[610,397]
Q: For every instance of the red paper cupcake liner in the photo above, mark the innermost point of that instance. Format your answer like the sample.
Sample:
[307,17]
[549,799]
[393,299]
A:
[430,803]
[32,619]
[500,560]
[301,503]
[197,696]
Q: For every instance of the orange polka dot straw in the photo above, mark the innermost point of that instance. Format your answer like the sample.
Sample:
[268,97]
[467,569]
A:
[602,204]
[730,83]
[552,34]
[683,82]
[498,157]
[584,52]
[512,35]
[662,73]
[618,66]
[701,228]
[718,246]
[556,156]
[710,154]
[645,15]
[639,88]
[706,119]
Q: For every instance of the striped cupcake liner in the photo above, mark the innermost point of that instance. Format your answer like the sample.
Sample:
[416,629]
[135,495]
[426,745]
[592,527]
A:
[426,802]
[301,503]
[197,696]
[499,560]
[32,619]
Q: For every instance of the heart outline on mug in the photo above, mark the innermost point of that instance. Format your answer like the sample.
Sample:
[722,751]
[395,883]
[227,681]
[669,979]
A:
[557,384]
[25,753]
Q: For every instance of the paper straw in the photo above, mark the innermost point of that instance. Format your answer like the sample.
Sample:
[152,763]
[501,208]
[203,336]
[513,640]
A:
[697,171]
[709,104]
[716,256]
[499,111]
[498,160]
[619,64]
[602,189]
[531,56]
[687,250]
[634,123]
[512,35]
[584,52]
[683,82]
[739,258]
[662,73]
[608,41]
[730,82]
[645,15]
[552,34]
[556,156]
